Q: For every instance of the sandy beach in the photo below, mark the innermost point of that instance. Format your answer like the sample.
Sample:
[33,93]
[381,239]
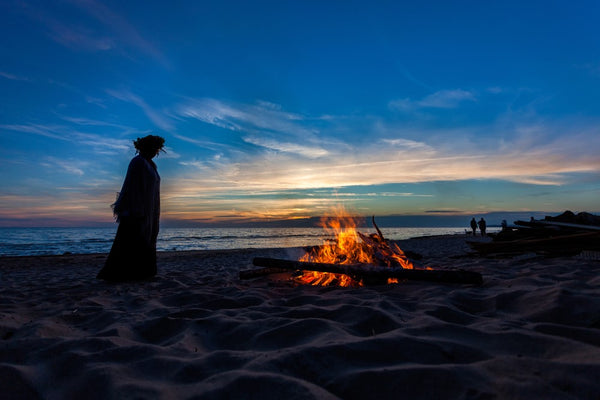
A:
[530,331]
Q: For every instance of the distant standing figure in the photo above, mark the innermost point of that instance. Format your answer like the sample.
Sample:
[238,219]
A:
[137,209]
[482,226]
[473,225]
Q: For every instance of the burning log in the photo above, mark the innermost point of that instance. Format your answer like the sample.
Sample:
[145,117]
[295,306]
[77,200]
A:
[377,229]
[371,272]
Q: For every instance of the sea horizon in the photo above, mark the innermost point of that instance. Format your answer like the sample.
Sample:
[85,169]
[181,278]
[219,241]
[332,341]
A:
[23,241]
[431,219]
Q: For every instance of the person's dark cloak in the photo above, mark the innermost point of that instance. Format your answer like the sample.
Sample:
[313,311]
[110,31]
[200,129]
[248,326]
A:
[133,253]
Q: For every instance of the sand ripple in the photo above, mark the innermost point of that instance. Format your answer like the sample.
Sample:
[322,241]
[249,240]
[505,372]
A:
[532,330]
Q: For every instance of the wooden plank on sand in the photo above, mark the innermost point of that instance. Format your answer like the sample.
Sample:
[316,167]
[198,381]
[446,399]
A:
[573,243]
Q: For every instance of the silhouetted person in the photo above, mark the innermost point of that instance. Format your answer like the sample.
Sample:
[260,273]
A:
[133,253]
[473,225]
[504,225]
[482,226]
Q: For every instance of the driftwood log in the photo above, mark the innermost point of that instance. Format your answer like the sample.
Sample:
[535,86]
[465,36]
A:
[561,245]
[565,235]
[558,224]
[370,272]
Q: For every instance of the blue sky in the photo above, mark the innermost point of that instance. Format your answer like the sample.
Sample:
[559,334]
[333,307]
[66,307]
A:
[284,109]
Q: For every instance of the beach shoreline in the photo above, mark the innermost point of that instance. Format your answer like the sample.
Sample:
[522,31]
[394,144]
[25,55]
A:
[531,330]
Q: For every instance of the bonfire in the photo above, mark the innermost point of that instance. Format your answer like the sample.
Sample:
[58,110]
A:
[350,246]
[355,259]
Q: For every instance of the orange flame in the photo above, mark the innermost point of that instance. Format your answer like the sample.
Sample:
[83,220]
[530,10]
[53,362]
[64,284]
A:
[350,246]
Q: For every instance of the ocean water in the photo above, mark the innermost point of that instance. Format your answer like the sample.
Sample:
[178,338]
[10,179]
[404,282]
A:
[52,241]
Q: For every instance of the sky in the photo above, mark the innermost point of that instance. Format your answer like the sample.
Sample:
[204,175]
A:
[286,109]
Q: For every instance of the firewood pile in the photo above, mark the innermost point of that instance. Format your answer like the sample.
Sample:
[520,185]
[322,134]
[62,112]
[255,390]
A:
[567,234]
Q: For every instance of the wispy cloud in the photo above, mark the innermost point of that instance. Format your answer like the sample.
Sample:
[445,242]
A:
[410,77]
[14,77]
[74,167]
[94,122]
[50,131]
[158,118]
[402,194]
[229,208]
[262,117]
[441,99]
[536,160]
[78,37]
[288,152]
[262,124]
[121,28]
[262,178]
[69,35]
[590,68]
[305,151]
[55,210]
[101,144]
[406,144]
[99,28]
[447,98]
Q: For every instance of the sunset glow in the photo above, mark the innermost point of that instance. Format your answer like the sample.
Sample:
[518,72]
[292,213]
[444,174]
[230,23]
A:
[283,110]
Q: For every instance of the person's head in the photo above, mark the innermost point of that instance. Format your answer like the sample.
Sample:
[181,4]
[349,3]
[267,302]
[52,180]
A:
[149,146]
